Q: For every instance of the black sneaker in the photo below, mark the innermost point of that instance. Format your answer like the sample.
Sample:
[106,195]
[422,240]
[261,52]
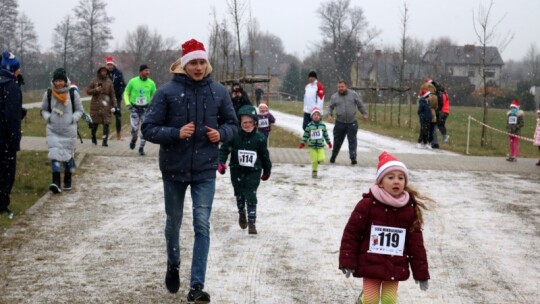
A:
[141,151]
[353,162]
[132,145]
[332,160]
[54,188]
[197,295]
[172,278]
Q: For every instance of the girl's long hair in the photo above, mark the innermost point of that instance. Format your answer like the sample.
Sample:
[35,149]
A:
[421,204]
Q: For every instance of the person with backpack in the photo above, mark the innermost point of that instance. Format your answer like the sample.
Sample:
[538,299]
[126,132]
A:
[11,114]
[61,108]
[103,103]
[514,124]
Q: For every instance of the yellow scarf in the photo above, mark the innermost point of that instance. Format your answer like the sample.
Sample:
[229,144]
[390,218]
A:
[61,97]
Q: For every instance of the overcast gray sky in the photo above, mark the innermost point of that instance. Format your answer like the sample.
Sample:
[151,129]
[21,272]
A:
[296,21]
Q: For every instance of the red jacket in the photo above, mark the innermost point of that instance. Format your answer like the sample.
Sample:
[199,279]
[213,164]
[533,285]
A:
[356,240]
[446,103]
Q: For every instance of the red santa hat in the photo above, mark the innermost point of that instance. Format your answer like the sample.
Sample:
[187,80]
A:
[514,104]
[424,93]
[388,163]
[315,109]
[429,80]
[192,50]
[109,59]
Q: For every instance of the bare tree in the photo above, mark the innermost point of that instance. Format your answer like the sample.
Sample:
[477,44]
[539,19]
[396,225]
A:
[64,41]
[487,33]
[92,31]
[25,38]
[236,10]
[341,27]
[139,44]
[403,51]
[8,21]
[225,42]
[532,61]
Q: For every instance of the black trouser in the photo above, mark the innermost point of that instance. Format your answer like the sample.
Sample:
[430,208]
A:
[425,128]
[8,164]
[441,122]
[340,131]
[307,119]
[118,115]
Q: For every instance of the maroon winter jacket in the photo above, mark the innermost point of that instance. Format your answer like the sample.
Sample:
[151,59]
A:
[356,239]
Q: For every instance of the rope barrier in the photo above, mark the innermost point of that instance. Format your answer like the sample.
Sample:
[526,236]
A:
[503,132]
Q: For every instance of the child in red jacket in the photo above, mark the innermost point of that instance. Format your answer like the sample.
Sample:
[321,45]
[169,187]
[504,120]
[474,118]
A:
[383,236]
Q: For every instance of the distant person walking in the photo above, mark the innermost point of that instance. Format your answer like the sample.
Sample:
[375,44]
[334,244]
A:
[345,102]
[313,97]
[425,116]
[537,134]
[258,94]
[102,104]
[61,108]
[239,97]
[514,123]
[443,114]
[188,117]
[119,85]
[10,127]
[137,96]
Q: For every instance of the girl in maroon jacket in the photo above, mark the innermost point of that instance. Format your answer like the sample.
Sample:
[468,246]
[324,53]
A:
[384,235]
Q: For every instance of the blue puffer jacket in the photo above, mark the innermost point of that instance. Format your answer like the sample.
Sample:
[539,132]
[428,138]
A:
[10,113]
[178,102]
[424,111]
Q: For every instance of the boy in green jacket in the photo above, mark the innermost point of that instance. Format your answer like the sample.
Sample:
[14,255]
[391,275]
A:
[315,135]
[249,157]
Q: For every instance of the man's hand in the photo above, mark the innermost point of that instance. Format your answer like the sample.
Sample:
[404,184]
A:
[330,119]
[212,134]
[365,117]
[187,130]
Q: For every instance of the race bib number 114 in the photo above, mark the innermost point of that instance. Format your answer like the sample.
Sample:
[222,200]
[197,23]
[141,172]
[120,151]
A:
[387,240]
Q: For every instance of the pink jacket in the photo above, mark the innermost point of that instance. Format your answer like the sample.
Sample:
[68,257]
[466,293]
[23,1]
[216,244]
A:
[537,133]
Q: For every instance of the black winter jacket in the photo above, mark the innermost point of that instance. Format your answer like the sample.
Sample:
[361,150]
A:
[10,113]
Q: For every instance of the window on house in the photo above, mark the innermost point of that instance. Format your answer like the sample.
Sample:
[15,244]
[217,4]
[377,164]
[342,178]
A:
[490,73]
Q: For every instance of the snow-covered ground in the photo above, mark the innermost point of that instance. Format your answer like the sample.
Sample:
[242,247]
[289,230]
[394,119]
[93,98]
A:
[367,141]
[103,242]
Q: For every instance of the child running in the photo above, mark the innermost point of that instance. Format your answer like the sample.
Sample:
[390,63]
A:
[266,119]
[315,135]
[249,156]
[383,236]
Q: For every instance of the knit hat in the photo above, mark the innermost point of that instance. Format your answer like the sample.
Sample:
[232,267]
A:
[315,109]
[425,93]
[429,80]
[10,61]
[514,104]
[312,74]
[60,74]
[110,60]
[143,67]
[388,163]
[192,50]
[263,105]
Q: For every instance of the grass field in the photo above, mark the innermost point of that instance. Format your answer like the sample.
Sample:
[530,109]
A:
[456,124]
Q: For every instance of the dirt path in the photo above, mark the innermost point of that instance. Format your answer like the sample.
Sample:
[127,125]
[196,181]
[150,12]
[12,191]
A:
[103,242]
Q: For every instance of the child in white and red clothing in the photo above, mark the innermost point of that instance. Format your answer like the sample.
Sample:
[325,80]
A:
[266,119]
[383,237]
[537,134]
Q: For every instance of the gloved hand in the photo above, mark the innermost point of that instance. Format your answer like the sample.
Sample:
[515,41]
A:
[330,145]
[301,146]
[265,176]
[424,285]
[347,272]
[222,167]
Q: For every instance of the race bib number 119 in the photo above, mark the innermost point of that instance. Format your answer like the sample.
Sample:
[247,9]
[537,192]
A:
[387,240]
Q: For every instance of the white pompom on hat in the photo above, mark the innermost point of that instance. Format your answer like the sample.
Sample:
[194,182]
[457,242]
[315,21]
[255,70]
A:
[389,163]
[191,50]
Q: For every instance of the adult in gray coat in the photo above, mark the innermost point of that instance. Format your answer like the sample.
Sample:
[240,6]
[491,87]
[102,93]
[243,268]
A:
[345,102]
[188,117]
[62,115]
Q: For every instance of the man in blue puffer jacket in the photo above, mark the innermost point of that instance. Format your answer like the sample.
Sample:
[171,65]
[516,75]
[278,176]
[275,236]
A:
[188,117]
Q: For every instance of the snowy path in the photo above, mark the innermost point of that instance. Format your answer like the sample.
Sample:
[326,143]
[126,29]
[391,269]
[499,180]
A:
[103,242]
[367,141]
